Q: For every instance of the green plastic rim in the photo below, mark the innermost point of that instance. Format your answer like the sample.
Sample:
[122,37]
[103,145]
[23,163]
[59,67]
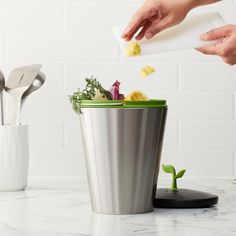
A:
[155,103]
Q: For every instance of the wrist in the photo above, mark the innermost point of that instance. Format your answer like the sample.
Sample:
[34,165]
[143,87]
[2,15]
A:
[197,3]
[190,4]
[194,3]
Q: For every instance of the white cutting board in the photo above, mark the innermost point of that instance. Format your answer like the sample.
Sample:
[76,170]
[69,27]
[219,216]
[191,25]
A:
[183,36]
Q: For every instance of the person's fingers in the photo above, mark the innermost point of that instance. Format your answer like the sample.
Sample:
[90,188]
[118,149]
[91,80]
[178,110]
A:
[217,33]
[229,61]
[129,37]
[143,30]
[208,50]
[134,25]
[158,27]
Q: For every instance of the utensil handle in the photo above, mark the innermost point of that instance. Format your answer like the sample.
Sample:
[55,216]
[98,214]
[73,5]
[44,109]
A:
[16,118]
[2,109]
[18,115]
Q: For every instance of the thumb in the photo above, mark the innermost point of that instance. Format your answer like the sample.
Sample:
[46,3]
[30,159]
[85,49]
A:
[215,34]
[158,27]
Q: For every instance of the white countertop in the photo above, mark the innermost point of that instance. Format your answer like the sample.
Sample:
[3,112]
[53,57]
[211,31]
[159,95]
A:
[61,207]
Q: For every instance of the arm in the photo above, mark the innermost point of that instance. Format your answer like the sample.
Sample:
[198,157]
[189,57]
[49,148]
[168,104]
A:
[157,15]
[197,3]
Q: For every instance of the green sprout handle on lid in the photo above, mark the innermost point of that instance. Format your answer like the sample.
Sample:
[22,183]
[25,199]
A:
[171,169]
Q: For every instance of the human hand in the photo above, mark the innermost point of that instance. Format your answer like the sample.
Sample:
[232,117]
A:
[155,16]
[225,48]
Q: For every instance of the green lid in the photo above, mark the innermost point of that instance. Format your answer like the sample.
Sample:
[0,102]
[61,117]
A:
[122,104]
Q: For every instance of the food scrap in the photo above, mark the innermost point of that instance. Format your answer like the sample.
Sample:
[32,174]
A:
[99,96]
[147,70]
[133,49]
[136,96]
[115,91]
[95,91]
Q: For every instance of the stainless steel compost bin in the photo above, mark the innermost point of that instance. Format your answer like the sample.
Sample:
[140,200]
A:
[122,144]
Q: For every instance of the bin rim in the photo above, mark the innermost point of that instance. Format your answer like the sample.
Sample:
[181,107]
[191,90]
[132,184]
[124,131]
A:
[154,103]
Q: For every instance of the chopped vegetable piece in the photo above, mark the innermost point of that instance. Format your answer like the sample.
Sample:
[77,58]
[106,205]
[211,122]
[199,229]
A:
[136,96]
[115,91]
[99,96]
[147,70]
[133,49]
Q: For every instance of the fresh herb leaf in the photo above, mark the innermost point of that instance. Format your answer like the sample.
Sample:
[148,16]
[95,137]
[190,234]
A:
[88,93]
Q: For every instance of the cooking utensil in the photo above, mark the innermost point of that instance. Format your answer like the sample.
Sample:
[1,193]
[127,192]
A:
[37,83]
[183,36]
[2,85]
[19,81]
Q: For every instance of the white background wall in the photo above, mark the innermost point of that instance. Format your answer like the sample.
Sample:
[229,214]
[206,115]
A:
[73,39]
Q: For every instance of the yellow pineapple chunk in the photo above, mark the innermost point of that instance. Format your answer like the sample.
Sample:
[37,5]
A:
[133,49]
[136,96]
[147,70]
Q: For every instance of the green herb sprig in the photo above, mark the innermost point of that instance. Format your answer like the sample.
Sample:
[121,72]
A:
[171,169]
[88,93]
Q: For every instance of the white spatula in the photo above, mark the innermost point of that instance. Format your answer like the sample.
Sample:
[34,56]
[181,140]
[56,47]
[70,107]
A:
[19,81]
[183,36]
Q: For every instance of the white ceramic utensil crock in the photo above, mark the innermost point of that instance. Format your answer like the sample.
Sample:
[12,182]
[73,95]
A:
[14,157]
